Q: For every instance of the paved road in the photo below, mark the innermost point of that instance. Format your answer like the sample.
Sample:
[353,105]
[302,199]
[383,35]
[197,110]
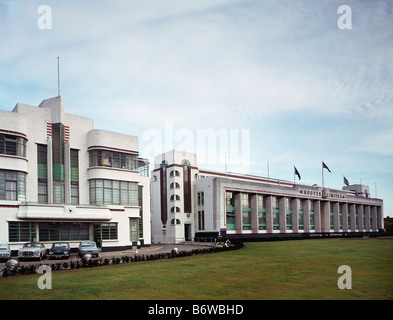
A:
[160,248]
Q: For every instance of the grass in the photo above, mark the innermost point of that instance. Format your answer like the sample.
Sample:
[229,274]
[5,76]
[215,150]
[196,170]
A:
[262,270]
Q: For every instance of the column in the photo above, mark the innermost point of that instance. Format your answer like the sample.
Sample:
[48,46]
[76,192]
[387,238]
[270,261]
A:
[374,218]
[345,216]
[352,210]
[283,212]
[254,213]
[269,215]
[360,217]
[295,215]
[306,212]
[336,218]
[317,215]
[367,226]
[325,216]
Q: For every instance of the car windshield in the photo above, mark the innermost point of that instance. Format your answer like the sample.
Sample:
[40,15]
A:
[60,245]
[88,244]
[3,246]
[31,245]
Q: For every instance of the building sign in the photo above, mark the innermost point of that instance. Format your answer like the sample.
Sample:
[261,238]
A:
[324,193]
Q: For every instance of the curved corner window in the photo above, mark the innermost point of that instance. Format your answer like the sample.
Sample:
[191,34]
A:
[12,145]
[112,159]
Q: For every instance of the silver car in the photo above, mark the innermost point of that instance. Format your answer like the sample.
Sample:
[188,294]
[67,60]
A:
[5,251]
[32,250]
[89,247]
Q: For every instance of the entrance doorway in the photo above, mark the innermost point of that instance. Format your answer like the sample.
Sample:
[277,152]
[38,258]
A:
[187,232]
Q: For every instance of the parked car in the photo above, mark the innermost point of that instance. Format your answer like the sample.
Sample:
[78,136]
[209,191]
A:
[60,250]
[32,250]
[5,251]
[88,247]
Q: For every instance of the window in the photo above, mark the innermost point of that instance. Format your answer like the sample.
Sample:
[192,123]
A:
[113,159]
[288,209]
[74,166]
[175,209]
[340,215]
[42,173]
[56,231]
[201,198]
[22,232]
[134,229]
[201,220]
[104,191]
[301,214]
[230,211]
[12,145]
[331,215]
[12,185]
[175,197]
[175,185]
[276,213]
[246,211]
[312,215]
[261,212]
[174,173]
[105,231]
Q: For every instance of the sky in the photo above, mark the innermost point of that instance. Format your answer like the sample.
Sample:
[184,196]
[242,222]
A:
[254,87]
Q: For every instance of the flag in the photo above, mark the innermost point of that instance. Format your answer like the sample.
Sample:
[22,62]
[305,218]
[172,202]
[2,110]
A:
[346,181]
[324,166]
[297,172]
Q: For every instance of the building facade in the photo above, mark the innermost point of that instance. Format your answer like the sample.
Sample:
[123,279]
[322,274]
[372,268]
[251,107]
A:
[188,201]
[63,180]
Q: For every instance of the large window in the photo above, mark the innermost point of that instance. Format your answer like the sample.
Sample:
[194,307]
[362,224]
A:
[230,211]
[105,231]
[113,159]
[201,220]
[301,214]
[42,173]
[312,215]
[21,232]
[12,145]
[12,185]
[104,192]
[261,212]
[288,209]
[276,213]
[64,231]
[246,211]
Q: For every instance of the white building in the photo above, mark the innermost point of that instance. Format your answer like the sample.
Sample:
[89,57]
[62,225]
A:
[63,180]
[189,202]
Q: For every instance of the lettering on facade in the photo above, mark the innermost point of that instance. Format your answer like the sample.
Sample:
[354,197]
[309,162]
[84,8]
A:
[325,193]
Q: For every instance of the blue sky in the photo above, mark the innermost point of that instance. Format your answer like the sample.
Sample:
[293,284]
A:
[282,73]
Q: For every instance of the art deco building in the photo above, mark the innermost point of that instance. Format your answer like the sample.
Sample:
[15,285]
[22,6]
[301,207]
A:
[63,180]
[188,202]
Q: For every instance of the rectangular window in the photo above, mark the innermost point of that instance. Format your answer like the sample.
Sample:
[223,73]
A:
[230,210]
[288,208]
[134,229]
[261,212]
[331,215]
[312,215]
[12,185]
[22,232]
[105,231]
[104,191]
[42,173]
[201,220]
[276,213]
[56,231]
[300,214]
[12,145]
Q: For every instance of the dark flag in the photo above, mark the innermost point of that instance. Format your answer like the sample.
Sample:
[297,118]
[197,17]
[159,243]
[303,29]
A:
[297,172]
[324,166]
[346,181]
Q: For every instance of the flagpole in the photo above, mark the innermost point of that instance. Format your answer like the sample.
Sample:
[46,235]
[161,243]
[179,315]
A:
[322,177]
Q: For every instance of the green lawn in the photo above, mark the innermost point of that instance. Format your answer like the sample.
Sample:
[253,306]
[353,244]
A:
[304,269]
